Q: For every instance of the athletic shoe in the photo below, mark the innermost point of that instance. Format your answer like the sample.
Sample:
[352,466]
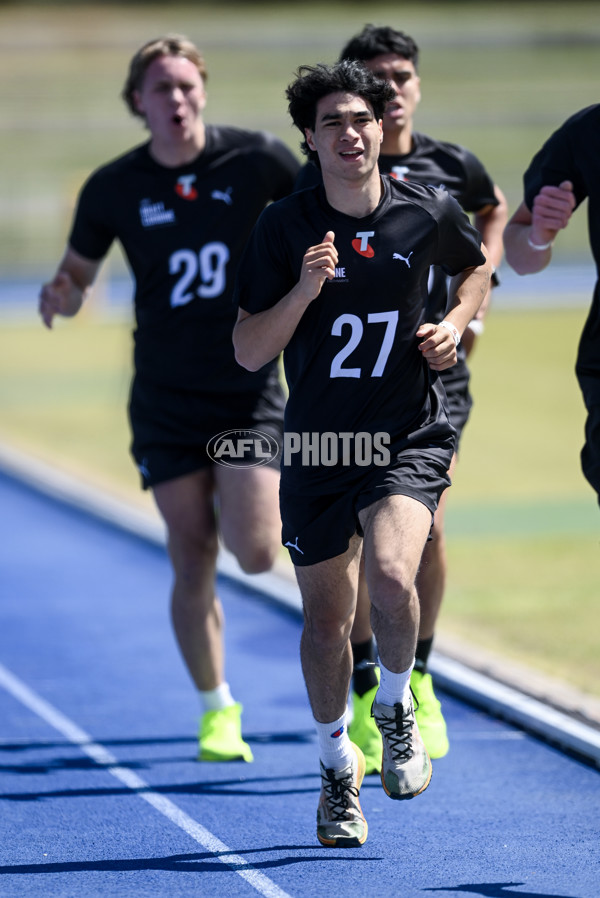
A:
[221,736]
[405,766]
[340,821]
[428,713]
[363,730]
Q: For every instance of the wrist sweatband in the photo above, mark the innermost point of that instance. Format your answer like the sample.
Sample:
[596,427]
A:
[453,330]
[539,246]
[477,326]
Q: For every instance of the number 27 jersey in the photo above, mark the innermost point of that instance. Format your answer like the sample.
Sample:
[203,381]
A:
[353,363]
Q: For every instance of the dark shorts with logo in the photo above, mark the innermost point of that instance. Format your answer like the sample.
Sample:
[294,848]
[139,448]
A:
[174,431]
[319,527]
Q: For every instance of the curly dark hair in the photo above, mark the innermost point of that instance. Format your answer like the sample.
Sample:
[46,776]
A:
[315,82]
[376,40]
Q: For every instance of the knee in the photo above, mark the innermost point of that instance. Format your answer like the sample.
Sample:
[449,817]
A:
[326,631]
[257,559]
[192,554]
[391,589]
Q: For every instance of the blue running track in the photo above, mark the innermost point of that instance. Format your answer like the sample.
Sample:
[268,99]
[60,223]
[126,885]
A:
[101,794]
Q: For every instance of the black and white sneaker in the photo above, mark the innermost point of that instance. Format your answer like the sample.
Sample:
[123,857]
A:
[406,766]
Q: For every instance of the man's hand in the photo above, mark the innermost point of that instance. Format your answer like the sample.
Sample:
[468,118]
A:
[552,210]
[55,297]
[438,346]
[318,266]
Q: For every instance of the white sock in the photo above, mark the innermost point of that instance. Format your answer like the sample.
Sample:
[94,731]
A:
[334,745]
[394,688]
[216,699]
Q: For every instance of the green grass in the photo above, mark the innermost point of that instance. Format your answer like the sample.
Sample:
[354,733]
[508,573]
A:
[530,598]
[63,397]
[526,432]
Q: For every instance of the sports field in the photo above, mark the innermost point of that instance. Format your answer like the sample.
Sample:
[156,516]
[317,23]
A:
[522,523]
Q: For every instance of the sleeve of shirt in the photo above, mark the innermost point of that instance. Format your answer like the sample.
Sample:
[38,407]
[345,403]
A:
[479,187]
[554,163]
[308,176]
[280,166]
[459,243]
[91,234]
[265,273]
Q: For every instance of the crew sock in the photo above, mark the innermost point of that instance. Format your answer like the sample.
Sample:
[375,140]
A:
[393,687]
[216,699]
[363,675]
[422,654]
[334,745]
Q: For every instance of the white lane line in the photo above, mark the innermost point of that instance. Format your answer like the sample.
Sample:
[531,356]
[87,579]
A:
[107,761]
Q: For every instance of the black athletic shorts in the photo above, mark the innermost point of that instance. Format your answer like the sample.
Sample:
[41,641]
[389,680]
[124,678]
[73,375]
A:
[590,454]
[172,430]
[459,407]
[460,401]
[319,527]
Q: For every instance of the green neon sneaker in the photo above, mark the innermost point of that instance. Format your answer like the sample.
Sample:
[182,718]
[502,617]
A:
[405,767]
[221,736]
[340,820]
[363,730]
[428,712]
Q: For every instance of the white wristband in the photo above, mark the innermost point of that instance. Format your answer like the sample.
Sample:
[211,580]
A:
[539,246]
[453,330]
[476,326]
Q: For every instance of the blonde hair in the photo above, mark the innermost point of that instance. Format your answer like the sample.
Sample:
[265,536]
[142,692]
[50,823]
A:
[169,45]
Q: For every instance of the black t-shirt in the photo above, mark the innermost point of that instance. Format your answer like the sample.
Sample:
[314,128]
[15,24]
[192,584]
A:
[353,363]
[448,166]
[572,153]
[183,230]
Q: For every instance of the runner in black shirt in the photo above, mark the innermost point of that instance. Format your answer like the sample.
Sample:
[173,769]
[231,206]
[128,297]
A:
[182,206]
[336,276]
[562,174]
[414,157]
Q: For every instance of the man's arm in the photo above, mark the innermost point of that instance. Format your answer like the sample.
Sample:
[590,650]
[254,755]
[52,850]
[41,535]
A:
[65,293]
[467,291]
[490,222]
[529,235]
[259,338]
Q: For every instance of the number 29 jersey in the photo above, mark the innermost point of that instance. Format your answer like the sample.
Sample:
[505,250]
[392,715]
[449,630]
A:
[183,230]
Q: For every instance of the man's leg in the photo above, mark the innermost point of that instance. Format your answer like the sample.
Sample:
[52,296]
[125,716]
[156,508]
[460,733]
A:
[249,518]
[329,597]
[365,680]
[186,505]
[395,532]
[431,585]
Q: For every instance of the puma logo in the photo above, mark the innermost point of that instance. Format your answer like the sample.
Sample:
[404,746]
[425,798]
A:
[402,258]
[224,195]
[294,546]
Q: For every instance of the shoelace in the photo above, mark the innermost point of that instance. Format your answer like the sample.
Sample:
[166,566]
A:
[337,791]
[398,732]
